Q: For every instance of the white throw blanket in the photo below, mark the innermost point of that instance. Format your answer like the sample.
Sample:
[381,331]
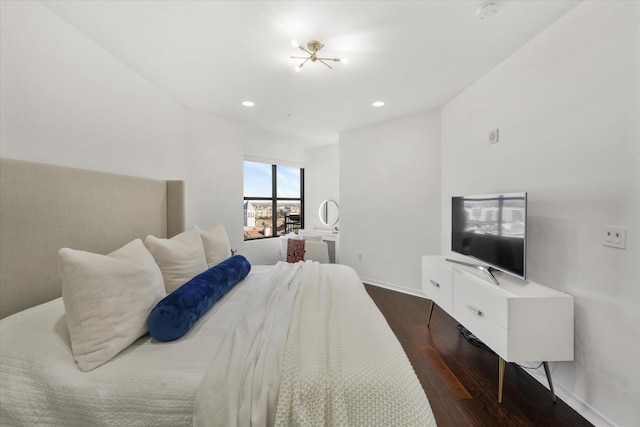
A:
[311,349]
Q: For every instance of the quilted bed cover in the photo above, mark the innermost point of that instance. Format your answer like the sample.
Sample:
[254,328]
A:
[292,344]
[311,349]
[150,383]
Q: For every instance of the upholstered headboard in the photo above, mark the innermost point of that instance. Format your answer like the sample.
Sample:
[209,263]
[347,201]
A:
[44,208]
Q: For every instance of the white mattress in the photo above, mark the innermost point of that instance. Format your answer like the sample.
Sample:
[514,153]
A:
[149,383]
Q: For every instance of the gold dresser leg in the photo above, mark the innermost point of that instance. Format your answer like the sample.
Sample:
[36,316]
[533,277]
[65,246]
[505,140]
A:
[546,371]
[430,312]
[500,378]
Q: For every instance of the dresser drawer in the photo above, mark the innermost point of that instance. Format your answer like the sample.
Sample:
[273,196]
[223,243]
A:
[489,332]
[476,298]
[521,321]
[437,284]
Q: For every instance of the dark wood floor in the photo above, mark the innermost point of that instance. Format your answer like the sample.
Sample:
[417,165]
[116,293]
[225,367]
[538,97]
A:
[461,379]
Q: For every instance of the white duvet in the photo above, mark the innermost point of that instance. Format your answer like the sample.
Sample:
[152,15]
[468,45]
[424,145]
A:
[295,344]
[311,349]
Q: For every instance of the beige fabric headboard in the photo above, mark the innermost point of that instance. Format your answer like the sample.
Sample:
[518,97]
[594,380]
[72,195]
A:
[44,208]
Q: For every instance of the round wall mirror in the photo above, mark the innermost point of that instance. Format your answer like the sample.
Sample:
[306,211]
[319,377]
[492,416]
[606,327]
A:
[329,213]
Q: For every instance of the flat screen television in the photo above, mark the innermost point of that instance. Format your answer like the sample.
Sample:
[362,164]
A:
[492,229]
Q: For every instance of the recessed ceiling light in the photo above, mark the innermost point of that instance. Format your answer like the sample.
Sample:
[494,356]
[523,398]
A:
[248,103]
[378,104]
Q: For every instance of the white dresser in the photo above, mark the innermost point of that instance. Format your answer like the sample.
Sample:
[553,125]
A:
[521,321]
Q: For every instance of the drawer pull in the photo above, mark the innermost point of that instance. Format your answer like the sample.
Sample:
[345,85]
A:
[475,310]
[434,283]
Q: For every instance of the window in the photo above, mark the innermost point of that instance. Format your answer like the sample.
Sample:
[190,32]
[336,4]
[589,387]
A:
[273,200]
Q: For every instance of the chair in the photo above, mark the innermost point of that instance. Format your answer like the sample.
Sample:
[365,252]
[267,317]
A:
[315,250]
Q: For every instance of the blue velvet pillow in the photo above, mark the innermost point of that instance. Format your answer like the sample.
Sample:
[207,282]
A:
[172,317]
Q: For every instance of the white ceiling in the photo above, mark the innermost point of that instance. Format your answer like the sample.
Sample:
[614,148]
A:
[212,55]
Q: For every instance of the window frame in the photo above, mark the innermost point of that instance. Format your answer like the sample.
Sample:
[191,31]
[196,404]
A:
[274,199]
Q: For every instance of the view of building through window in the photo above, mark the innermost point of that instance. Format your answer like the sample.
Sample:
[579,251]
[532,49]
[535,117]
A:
[273,199]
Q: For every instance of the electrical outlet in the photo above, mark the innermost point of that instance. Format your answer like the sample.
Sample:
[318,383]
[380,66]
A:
[616,237]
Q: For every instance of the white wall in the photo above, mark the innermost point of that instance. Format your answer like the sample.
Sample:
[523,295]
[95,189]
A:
[390,193]
[322,181]
[567,106]
[268,151]
[214,153]
[67,101]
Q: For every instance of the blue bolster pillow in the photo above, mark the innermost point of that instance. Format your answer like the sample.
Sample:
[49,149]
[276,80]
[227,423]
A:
[172,317]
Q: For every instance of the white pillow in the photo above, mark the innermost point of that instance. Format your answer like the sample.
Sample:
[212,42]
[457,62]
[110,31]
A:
[216,244]
[180,258]
[108,299]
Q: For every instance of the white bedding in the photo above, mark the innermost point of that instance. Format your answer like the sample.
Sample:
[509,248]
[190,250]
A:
[149,383]
[227,369]
[312,349]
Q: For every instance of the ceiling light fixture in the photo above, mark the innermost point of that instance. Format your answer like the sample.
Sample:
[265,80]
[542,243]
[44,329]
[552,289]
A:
[378,104]
[312,49]
[248,103]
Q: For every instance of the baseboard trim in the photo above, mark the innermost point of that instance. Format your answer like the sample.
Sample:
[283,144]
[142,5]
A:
[392,287]
[577,404]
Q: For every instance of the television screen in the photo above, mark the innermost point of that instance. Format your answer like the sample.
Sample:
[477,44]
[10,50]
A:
[492,229]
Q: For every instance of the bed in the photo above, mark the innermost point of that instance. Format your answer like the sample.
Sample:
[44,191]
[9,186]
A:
[101,326]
